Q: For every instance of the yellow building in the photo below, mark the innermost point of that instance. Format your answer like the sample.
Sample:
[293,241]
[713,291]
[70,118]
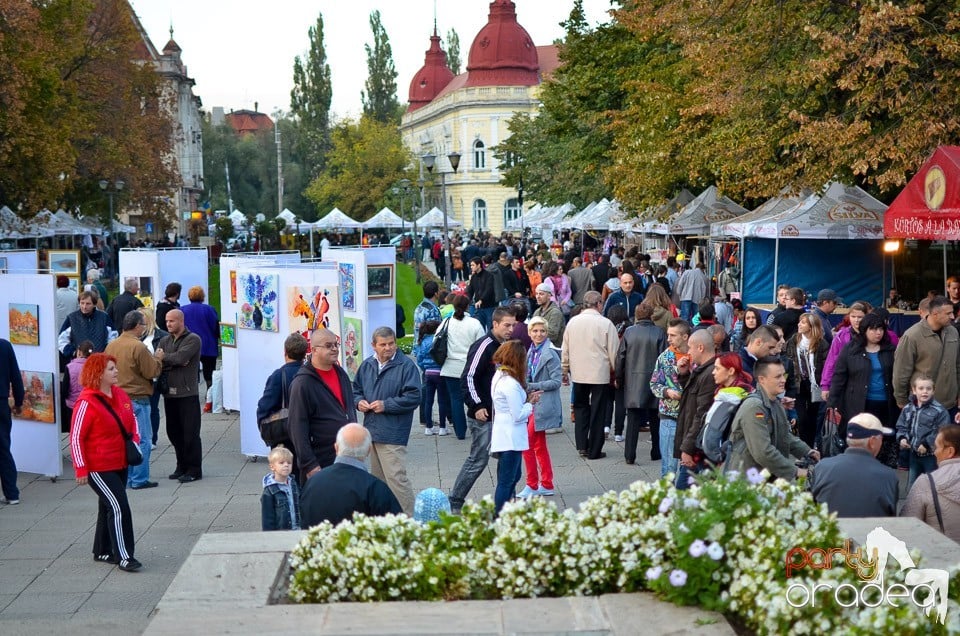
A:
[469,113]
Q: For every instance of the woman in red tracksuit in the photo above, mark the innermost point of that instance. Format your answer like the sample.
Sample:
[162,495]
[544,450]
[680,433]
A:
[99,457]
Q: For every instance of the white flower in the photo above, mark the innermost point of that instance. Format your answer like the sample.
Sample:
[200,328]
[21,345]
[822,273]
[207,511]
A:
[678,578]
[654,573]
[697,548]
[690,502]
[665,505]
[754,476]
[715,551]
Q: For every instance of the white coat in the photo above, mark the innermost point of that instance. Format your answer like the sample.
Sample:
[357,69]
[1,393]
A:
[510,413]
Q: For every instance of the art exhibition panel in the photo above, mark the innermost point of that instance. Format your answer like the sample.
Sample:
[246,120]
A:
[19,261]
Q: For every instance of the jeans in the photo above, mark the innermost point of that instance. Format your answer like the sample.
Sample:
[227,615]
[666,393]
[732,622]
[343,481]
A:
[919,465]
[485,316]
[139,475]
[8,467]
[475,463]
[508,474]
[684,475]
[457,414]
[688,309]
[668,433]
[433,384]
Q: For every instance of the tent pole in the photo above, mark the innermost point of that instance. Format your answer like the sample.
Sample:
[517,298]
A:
[740,286]
[945,243]
[776,264]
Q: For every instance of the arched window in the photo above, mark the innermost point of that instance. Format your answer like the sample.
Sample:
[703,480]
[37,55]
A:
[479,214]
[479,155]
[511,211]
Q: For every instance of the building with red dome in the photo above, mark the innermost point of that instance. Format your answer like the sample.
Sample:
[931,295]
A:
[469,113]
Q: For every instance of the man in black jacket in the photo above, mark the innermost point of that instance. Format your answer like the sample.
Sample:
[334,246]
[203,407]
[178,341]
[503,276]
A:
[640,347]
[125,302]
[321,403]
[481,292]
[476,379]
[346,486]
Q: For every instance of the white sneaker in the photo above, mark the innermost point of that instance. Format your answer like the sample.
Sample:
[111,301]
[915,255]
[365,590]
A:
[618,438]
[545,492]
[153,447]
[527,492]
[442,432]
[428,431]
[9,502]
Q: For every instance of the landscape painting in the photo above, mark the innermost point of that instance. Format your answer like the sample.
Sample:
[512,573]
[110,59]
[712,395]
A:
[379,281]
[64,262]
[38,399]
[24,324]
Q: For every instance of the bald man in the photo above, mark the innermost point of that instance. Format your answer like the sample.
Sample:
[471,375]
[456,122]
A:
[181,364]
[696,377]
[346,487]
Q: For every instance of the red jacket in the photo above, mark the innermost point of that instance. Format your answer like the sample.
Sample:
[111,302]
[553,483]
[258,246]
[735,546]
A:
[95,440]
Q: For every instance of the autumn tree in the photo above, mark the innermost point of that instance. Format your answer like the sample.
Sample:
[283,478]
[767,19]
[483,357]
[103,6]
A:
[453,52]
[310,101]
[380,97]
[366,159]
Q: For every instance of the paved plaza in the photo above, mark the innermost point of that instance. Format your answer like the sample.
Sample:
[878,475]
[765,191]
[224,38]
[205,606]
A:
[49,583]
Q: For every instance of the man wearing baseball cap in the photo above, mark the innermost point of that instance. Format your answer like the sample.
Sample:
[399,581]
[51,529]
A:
[855,484]
[827,301]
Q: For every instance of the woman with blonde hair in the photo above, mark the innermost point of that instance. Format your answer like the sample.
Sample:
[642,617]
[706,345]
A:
[808,349]
[202,320]
[152,335]
[512,408]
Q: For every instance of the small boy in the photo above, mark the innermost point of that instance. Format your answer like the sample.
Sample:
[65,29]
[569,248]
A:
[918,425]
[280,501]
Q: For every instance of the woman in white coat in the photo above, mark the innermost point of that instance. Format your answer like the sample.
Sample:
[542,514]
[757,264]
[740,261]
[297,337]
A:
[462,331]
[512,407]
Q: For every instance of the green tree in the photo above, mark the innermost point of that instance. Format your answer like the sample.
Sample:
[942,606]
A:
[366,160]
[224,229]
[453,51]
[380,97]
[310,101]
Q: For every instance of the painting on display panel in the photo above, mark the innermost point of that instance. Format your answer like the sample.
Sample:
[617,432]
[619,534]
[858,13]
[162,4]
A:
[311,307]
[257,295]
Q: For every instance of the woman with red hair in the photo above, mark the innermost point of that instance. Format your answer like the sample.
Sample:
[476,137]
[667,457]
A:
[733,385]
[728,373]
[99,457]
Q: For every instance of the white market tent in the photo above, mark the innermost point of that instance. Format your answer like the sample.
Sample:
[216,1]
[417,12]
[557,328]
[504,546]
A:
[695,217]
[238,218]
[524,219]
[650,223]
[784,202]
[576,221]
[334,220]
[12,226]
[434,218]
[384,218]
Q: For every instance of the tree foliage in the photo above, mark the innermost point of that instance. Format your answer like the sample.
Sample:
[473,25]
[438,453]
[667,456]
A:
[366,160]
[453,52]
[77,104]
[380,97]
[310,101]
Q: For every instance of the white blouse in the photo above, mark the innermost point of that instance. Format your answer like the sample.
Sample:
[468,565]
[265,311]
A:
[510,413]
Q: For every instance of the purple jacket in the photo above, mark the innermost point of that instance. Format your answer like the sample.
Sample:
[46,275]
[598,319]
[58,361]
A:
[202,320]
[840,340]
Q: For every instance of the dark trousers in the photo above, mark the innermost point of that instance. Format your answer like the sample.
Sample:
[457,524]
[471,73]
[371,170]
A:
[614,408]
[114,532]
[8,467]
[209,364]
[635,419]
[455,400]
[588,409]
[183,430]
[808,414]
[155,413]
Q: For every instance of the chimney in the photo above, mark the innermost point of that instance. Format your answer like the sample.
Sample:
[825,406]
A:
[255,105]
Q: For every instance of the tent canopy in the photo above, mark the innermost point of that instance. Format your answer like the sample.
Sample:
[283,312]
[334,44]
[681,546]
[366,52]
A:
[779,204]
[696,216]
[384,218]
[577,221]
[238,218]
[929,207]
[336,219]
[12,226]
[434,218]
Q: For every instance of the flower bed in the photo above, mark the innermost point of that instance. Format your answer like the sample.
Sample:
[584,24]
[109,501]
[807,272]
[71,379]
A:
[720,545]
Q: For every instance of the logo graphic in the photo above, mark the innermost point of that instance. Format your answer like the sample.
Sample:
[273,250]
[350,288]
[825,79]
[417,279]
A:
[934,187]
[924,587]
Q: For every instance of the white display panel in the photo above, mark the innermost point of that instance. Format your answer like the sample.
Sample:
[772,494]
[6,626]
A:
[35,445]
[20,261]
[381,312]
[187,266]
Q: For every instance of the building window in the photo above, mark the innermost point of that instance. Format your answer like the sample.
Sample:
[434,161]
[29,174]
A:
[511,211]
[479,155]
[479,214]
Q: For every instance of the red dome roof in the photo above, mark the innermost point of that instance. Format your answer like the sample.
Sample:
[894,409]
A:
[431,78]
[503,54]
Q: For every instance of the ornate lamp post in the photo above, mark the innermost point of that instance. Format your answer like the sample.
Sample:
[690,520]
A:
[429,161]
[112,189]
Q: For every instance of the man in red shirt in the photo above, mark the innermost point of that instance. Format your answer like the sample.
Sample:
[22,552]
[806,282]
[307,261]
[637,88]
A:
[321,402]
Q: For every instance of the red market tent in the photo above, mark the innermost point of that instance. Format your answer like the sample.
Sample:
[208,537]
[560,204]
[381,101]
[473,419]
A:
[929,207]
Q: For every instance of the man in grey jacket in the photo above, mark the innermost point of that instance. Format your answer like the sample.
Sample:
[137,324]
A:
[181,363]
[386,390]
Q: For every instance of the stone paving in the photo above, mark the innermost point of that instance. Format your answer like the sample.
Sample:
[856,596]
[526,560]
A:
[49,583]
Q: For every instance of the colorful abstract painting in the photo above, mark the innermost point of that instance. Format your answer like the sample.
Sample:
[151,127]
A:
[259,302]
[313,307]
[228,335]
[352,345]
[38,399]
[233,285]
[348,285]
[24,324]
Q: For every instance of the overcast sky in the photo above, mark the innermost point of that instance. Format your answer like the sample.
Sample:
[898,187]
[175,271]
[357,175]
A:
[240,52]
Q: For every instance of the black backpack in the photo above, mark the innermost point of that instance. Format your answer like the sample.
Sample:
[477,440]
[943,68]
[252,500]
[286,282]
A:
[438,351]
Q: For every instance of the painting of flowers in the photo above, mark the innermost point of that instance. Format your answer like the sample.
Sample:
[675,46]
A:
[348,285]
[258,302]
[24,324]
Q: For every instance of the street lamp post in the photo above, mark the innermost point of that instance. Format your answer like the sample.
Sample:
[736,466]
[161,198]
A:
[112,189]
[429,161]
[421,183]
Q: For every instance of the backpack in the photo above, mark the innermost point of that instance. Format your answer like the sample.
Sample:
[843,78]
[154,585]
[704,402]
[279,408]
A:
[439,349]
[714,438]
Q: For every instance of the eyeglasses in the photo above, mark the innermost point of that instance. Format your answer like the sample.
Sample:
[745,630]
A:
[332,346]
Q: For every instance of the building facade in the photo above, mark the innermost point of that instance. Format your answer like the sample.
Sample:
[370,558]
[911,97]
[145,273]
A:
[469,114]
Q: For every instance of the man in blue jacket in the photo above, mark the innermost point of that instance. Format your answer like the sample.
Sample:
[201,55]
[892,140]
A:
[625,297]
[386,390]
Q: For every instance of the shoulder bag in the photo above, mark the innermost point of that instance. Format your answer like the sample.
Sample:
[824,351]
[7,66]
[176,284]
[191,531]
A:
[439,349]
[273,427]
[936,501]
[134,456]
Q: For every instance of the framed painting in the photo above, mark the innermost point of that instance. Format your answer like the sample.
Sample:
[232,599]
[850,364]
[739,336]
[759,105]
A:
[352,346]
[380,281]
[64,262]
[3,264]
[39,403]
[24,324]
[348,285]
[259,302]
[228,335]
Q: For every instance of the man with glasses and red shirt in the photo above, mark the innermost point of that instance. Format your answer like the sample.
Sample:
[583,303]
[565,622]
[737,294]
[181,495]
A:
[321,402]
